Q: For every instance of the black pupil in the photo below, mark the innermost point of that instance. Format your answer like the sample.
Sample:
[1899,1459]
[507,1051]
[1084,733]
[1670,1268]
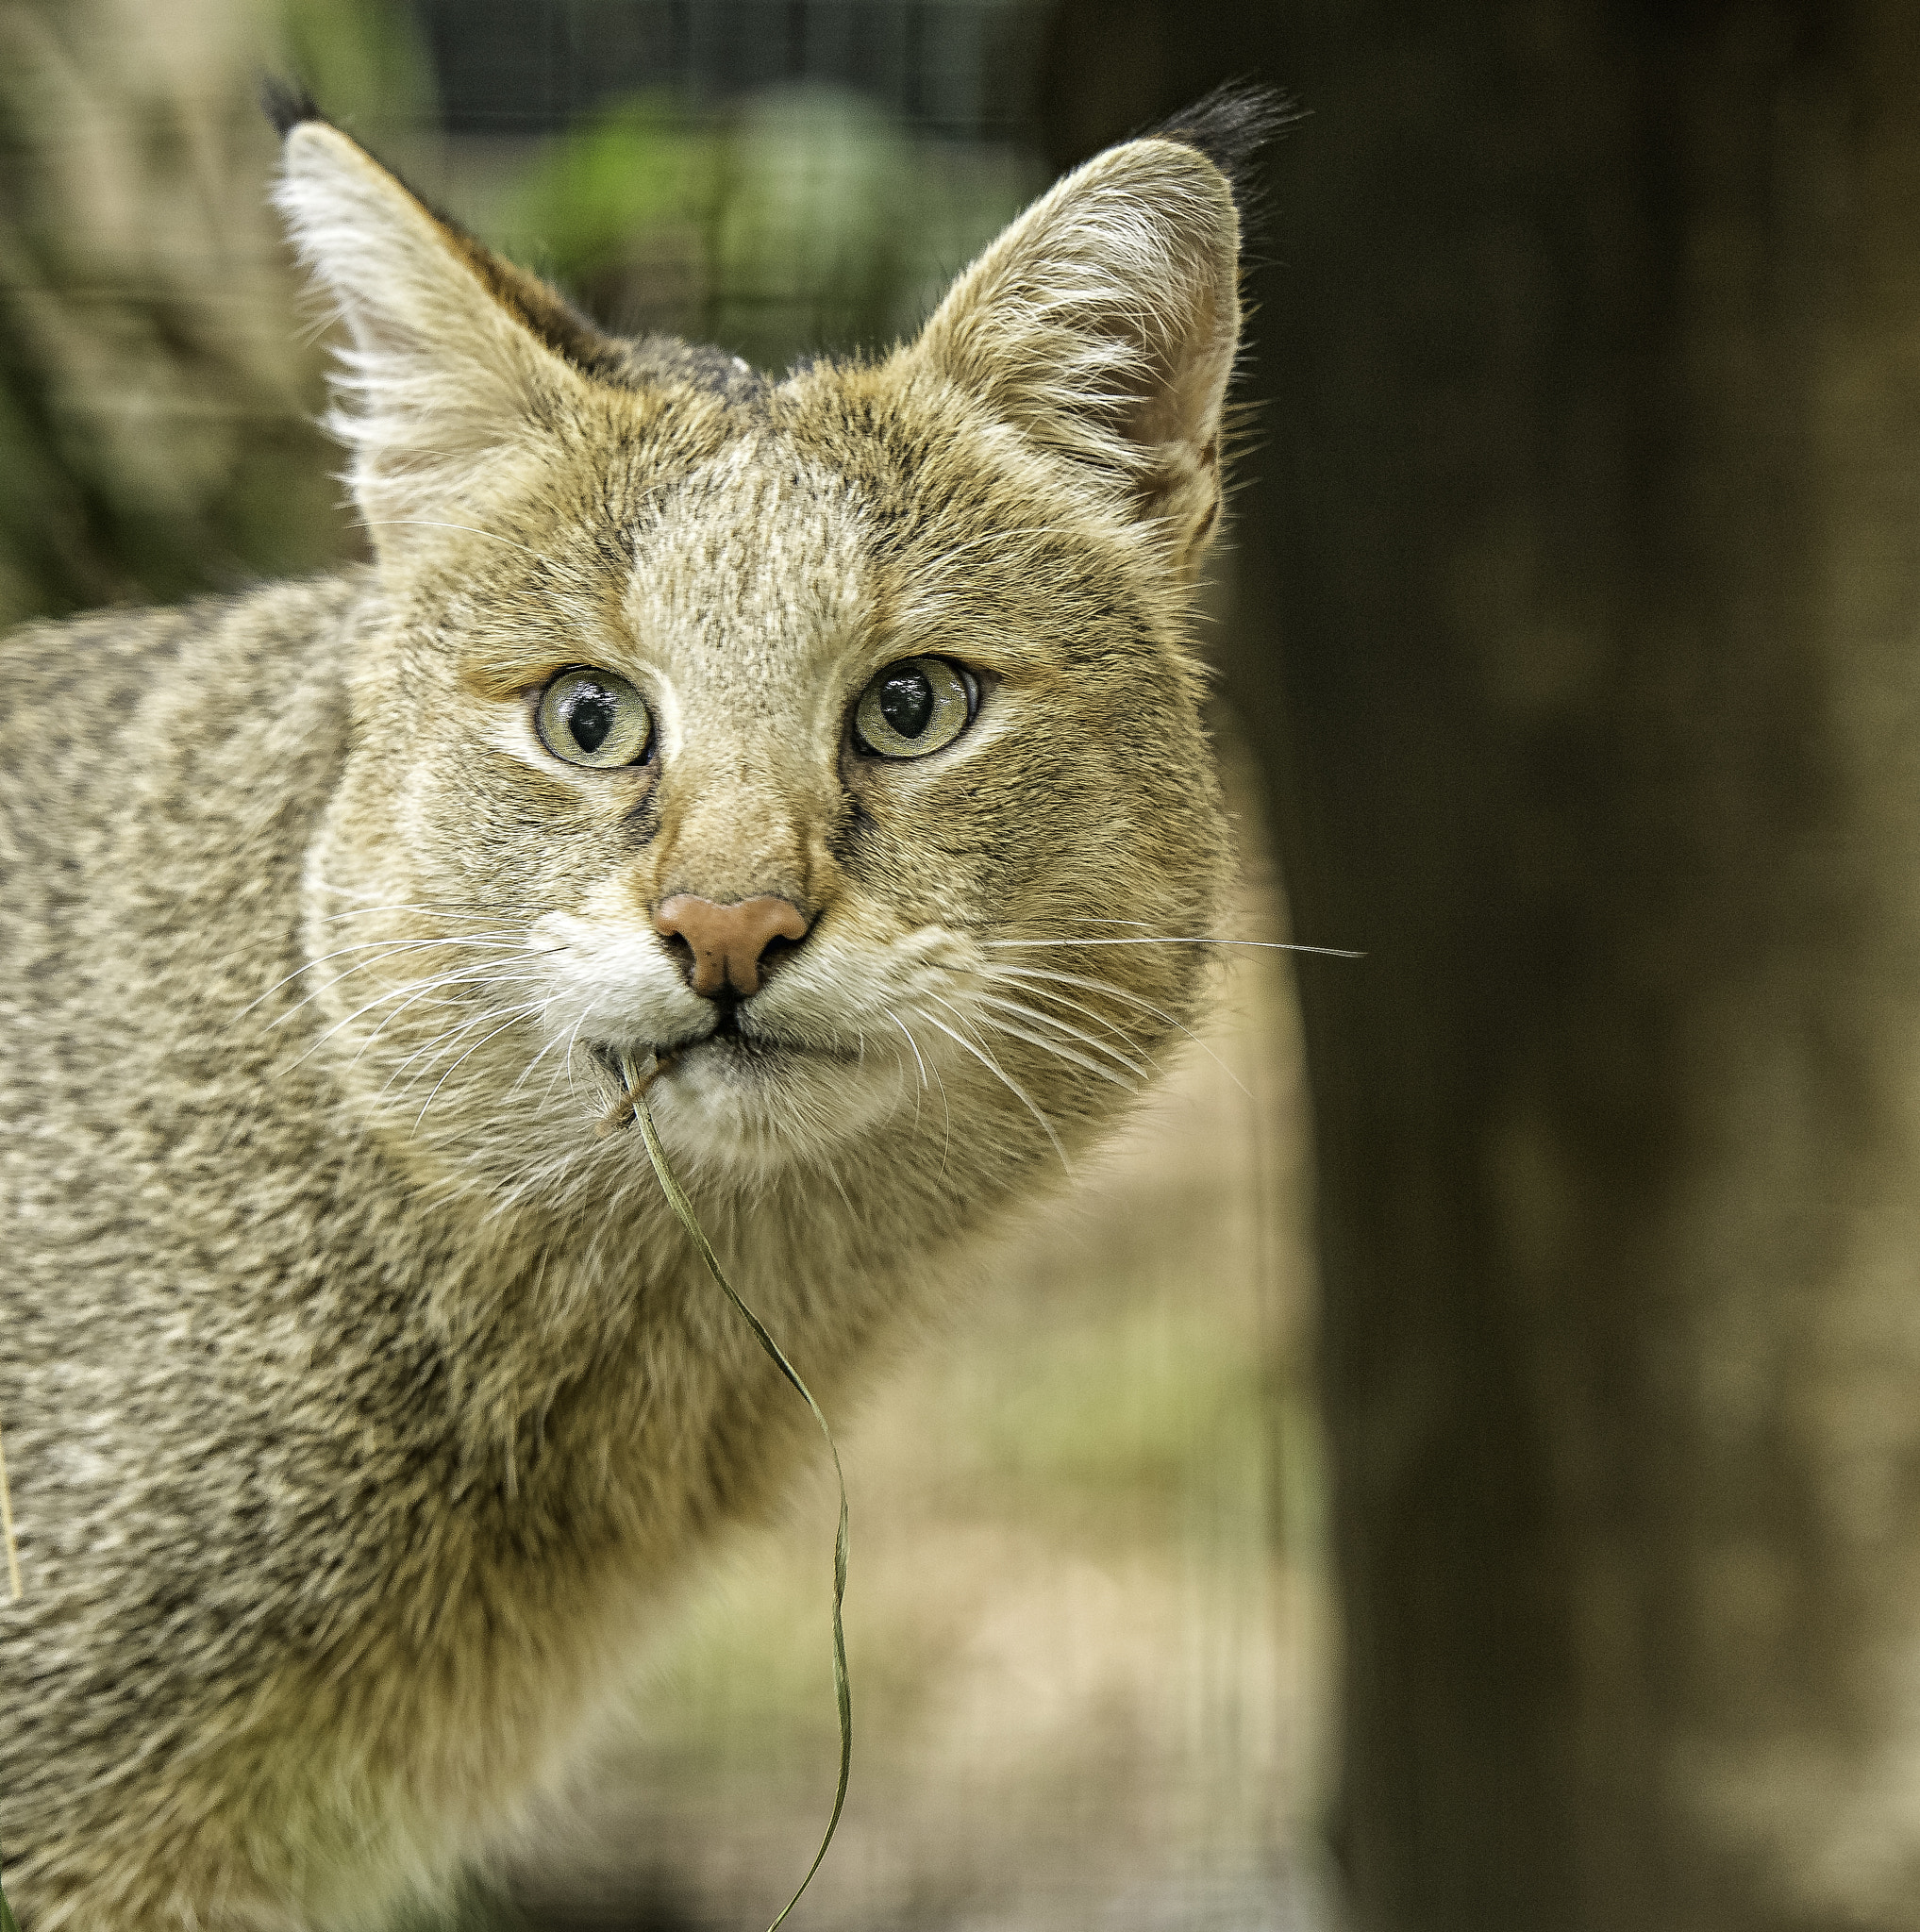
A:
[590,716]
[907,702]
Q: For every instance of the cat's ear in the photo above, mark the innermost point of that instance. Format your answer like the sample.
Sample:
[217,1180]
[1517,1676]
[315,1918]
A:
[1104,323]
[452,354]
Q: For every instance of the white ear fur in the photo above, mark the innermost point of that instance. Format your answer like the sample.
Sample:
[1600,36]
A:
[437,375]
[1104,323]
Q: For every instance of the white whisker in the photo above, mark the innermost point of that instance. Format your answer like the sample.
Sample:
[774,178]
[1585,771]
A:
[1262,945]
[1131,999]
[409,993]
[445,1038]
[1009,1031]
[946,1103]
[1040,1018]
[513,1019]
[987,1061]
[920,1091]
[526,1076]
[394,951]
[566,1065]
[436,523]
[1024,978]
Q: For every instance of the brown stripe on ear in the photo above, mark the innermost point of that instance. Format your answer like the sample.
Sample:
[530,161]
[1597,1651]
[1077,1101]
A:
[539,307]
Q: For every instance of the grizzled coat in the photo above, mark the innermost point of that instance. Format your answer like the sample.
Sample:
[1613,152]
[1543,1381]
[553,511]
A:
[358,1393]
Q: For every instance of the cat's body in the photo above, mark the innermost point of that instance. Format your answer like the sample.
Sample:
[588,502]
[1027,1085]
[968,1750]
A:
[358,1392]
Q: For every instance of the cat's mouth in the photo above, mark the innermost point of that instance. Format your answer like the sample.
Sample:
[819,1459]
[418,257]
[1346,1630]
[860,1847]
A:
[726,1042]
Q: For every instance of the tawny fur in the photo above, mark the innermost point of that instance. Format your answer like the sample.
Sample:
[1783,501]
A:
[358,1395]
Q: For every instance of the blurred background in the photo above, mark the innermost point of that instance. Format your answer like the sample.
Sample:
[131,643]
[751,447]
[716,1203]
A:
[1457,1464]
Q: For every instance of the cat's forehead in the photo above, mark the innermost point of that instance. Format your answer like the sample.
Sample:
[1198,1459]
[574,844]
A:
[758,558]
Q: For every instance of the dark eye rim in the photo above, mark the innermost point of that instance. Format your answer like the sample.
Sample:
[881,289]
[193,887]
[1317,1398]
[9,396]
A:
[970,682]
[537,696]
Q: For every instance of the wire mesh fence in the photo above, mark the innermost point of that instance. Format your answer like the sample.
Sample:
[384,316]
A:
[958,68]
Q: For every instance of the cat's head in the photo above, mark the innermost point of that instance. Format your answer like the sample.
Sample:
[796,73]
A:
[838,738]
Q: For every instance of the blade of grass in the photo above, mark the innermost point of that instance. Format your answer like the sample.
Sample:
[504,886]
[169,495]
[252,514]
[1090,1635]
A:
[638,1081]
[7,1922]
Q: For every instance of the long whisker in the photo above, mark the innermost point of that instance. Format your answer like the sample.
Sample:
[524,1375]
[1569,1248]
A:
[449,1037]
[413,989]
[917,1060]
[391,952]
[555,1042]
[1026,978]
[1058,1052]
[341,953]
[566,1066]
[1262,945]
[513,1019]
[993,1066]
[436,1049]
[407,993]
[919,1092]
[428,908]
[1139,1073]
[435,523]
[418,990]
[946,1103]
[1131,999]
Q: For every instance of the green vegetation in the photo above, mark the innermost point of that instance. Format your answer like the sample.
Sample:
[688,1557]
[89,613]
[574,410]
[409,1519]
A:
[803,221]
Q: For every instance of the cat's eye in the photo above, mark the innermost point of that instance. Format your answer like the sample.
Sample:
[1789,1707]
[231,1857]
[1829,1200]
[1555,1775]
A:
[913,707]
[594,718]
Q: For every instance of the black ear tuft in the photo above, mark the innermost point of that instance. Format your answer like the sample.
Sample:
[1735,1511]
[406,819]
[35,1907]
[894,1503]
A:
[1229,127]
[285,105]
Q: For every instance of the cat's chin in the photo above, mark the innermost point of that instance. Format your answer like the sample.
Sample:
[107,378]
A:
[753,1056]
[753,1104]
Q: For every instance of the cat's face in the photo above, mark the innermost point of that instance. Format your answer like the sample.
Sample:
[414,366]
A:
[890,656]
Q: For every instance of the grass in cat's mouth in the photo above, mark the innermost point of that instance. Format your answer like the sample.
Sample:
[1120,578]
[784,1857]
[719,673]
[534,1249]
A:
[749,1051]
[636,1073]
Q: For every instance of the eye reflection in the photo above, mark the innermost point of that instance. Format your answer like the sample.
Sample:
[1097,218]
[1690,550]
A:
[594,718]
[913,707]
[907,702]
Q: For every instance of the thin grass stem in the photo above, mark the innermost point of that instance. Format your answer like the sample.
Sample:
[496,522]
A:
[638,1081]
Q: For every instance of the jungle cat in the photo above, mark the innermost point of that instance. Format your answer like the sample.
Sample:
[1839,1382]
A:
[820,735]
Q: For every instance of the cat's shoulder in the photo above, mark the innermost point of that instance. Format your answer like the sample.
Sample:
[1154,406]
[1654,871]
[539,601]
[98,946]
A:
[117,723]
[118,651]
[80,690]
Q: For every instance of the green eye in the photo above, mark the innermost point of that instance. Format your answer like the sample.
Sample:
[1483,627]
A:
[594,718]
[913,707]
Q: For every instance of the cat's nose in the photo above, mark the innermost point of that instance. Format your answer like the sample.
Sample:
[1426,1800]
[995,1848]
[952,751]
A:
[728,942]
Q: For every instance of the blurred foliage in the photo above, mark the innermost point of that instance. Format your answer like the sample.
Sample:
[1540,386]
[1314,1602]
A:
[364,60]
[155,396]
[804,219]
[158,391]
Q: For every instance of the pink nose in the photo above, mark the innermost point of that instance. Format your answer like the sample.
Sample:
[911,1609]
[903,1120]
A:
[728,941]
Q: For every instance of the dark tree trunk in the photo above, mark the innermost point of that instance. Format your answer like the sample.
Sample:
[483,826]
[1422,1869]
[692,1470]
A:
[1581,641]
